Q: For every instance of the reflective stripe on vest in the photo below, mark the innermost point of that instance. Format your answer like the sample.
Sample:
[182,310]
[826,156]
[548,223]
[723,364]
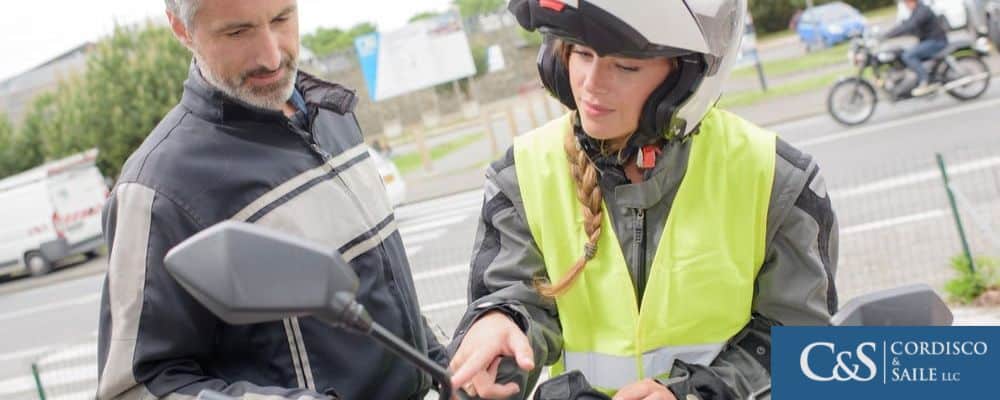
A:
[609,371]
[700,287]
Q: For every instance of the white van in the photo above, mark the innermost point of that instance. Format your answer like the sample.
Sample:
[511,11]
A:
[49,213]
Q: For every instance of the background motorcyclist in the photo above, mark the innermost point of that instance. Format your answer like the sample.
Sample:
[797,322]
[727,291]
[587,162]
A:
[926,26]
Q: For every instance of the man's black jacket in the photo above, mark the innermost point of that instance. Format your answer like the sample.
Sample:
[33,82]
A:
[213,159]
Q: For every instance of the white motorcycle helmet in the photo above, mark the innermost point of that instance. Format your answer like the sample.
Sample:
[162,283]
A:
[702,35]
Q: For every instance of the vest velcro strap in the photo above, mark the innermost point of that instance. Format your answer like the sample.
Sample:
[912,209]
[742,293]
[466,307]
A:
[614,372]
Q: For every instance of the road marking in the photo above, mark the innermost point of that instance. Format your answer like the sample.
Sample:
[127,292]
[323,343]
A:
[411,229]
[70,353]
[54,377]
[48,307]
[418,238]
[454,269]
[443,305]
[472,198]
[412,250]
[450,211]
[890,222]
[81,395]
[26,353]
[897,123]
[917,177]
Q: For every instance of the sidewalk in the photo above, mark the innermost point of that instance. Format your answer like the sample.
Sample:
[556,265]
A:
[460,171]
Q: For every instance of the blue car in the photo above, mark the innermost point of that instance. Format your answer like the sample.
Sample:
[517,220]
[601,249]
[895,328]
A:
[829,24]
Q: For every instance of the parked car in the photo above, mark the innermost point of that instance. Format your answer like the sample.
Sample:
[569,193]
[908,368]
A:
[394,184]
[50,213]
[953,13]
[829,24]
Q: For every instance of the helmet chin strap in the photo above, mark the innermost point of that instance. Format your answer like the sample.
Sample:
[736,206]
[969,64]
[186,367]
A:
[657,116]
[659,109]
[656,122]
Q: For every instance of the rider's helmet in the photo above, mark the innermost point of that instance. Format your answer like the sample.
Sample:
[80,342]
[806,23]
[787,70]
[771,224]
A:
[703,36]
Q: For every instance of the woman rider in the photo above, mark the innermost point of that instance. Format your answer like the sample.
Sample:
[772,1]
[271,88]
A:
[647,238]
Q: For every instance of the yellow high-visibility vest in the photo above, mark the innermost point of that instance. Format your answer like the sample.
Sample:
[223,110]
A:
[701,284]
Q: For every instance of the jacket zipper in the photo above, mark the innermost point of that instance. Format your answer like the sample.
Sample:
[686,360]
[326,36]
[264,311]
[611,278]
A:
[323,157]
[310,142]
[639,253]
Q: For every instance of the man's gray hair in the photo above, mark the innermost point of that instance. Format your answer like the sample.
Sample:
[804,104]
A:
[183,9]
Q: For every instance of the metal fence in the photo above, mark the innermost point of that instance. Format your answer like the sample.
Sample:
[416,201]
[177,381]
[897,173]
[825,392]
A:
[897,224]
[67,372]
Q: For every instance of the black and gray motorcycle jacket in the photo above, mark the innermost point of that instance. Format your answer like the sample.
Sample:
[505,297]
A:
[213,159]
[795,285]
[923,24]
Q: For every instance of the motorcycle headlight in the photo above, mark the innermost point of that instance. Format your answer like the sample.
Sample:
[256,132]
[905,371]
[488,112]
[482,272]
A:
[835,29]
[886,57]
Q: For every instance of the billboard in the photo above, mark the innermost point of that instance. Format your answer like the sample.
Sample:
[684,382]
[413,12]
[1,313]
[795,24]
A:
[419,55]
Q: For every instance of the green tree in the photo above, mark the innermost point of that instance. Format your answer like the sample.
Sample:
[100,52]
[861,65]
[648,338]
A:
[325,41]
[21,149]
[422,16]
[469,8]
[531,38]
[8,148]
[133,78]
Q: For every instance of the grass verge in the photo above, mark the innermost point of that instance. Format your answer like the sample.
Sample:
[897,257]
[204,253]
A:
[749,98]
[818,59]
[412,161]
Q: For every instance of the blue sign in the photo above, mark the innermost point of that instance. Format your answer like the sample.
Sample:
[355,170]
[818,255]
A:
[367,47]
[884,362]
[416,56]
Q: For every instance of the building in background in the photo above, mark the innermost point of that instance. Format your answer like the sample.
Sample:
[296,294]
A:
[17,92]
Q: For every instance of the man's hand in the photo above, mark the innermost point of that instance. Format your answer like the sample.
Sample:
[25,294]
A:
[475,362]
[647,389]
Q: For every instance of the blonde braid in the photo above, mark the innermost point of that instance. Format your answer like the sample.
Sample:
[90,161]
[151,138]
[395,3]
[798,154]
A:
[588,192]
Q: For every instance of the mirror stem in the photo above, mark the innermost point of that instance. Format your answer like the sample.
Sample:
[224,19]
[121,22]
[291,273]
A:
[353,316]
[405,351]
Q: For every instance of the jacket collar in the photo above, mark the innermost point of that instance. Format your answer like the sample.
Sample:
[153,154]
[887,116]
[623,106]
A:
[211,104]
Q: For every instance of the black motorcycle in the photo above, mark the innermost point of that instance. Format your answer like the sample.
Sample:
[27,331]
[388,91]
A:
[958,70]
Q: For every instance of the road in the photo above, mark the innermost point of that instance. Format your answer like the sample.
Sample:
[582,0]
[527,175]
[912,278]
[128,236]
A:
[893,215]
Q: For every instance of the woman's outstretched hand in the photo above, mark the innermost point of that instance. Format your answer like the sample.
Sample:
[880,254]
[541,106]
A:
[474,366]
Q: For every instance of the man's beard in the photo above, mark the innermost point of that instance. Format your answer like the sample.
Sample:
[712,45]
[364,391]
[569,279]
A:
[272,96]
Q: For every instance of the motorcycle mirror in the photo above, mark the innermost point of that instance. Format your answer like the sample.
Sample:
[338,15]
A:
[913,305]
[246,274]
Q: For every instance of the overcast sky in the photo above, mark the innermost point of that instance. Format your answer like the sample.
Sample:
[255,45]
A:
[34,31]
